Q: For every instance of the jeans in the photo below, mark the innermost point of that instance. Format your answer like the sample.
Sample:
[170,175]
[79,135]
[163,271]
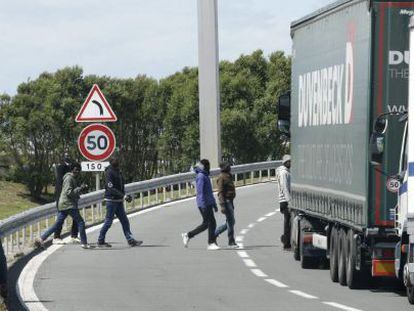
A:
[76,216]
[73,230]
[286,224]
[208,222]
[230,221]
[112,209]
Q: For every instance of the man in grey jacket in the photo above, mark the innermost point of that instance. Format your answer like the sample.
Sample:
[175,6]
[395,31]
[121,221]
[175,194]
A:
[283,182]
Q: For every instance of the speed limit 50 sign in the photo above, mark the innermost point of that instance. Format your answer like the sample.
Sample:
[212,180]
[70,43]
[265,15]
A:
[96,142]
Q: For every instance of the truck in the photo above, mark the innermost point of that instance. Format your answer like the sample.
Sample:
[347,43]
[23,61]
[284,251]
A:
[347,124]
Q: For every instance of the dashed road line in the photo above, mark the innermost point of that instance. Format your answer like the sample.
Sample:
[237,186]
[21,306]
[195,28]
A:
[249,263]
[259,273]
[302,294]
[339,306]
[243,254]
[276,283]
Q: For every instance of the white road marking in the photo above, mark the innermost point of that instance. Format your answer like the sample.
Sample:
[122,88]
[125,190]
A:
[270,214]
[249,263]
[302,294]
[243,254]
[244,231]
[261,219]
[239,238]
[251,225]
[259,273]
[276,283]
[339,306]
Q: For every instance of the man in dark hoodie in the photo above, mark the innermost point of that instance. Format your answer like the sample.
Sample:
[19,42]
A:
[226,195]
[114,198]
[206,204]
[68,206]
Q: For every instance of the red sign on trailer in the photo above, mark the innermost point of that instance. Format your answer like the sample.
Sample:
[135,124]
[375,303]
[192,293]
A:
[96,108]
[96,142]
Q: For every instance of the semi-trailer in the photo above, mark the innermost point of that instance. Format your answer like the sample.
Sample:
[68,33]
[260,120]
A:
[346,121]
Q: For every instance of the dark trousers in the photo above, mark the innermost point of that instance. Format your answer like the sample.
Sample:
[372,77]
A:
[76,216]
[3,266]
[230,221]
[285,238]
[112,209]
[208,222]
[73,230]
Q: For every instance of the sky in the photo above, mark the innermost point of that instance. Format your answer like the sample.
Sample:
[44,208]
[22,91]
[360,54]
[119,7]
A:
[125,38]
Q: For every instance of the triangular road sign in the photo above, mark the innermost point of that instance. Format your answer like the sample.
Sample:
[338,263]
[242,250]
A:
[96,108]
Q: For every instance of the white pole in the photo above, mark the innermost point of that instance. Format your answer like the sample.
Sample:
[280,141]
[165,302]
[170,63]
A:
[208,76]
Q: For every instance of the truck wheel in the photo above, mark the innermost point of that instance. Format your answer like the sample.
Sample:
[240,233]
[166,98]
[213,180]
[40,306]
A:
[353,276]
[305,262]
[342,257]
[333,254]
[410,294]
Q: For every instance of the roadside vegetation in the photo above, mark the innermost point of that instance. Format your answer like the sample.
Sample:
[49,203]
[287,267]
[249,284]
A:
[157,129]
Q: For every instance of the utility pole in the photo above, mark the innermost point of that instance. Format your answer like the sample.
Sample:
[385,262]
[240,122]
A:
[208,78]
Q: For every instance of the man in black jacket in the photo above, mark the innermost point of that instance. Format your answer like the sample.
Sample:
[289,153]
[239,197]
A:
[114,198]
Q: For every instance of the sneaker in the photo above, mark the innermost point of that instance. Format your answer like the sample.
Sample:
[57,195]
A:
[185,239]
[213,247]
[38,243]
[75,240]
[104,244]
[233,245]
[134,243]
[58,241]
[87,246]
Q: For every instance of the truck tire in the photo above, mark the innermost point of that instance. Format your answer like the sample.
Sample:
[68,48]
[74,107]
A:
[410,294]
[333,254]
[305,262]
[342,257]
[353,276]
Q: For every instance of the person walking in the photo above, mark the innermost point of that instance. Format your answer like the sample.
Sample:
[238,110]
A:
[68,206]
[206,204]
[226,195]
[283,182]
[114,198]
[3,275]
[60,171]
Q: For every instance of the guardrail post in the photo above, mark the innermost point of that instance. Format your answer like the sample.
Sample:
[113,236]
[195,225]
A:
[260,175]
[31,232]
[156,195]
[252,177]
[179,190]
[93,213]
[141,197]
[24,235]
[244,178]
[149,197]
[268,174]
[186,188]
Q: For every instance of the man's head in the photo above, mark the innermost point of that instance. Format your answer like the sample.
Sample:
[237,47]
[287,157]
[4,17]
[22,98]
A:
[225,167]
[66,158]
[205,165]
[75,169]
[114,161]
[286,160]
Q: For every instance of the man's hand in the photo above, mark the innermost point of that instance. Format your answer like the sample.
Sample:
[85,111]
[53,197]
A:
[128,198]
[84,187]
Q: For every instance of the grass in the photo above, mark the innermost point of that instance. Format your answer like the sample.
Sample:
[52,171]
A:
[14,199]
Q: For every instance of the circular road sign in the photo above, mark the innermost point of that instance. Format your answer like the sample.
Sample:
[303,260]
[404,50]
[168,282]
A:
[96,142]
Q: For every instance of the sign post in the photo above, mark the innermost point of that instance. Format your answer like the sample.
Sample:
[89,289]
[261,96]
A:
[96,142]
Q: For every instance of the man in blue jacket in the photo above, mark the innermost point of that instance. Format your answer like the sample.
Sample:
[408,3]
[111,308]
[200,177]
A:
[114,198]
[206,204]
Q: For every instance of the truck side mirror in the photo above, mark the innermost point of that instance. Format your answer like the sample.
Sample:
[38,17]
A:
[283,112]
[377,140]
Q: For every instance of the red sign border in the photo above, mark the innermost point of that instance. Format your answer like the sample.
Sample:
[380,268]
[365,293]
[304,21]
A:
[107,131]
[112,118]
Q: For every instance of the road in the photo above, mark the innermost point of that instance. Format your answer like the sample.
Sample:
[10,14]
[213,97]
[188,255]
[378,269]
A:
[163,275]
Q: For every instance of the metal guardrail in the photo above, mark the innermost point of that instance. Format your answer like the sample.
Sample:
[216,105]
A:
[18,232]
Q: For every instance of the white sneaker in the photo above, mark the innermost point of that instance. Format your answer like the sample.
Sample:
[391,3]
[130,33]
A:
[213,247]
[87,246]
[75,240]
[58,241]
[185,239]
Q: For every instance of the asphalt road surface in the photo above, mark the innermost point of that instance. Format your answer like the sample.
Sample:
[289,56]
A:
[163,275]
